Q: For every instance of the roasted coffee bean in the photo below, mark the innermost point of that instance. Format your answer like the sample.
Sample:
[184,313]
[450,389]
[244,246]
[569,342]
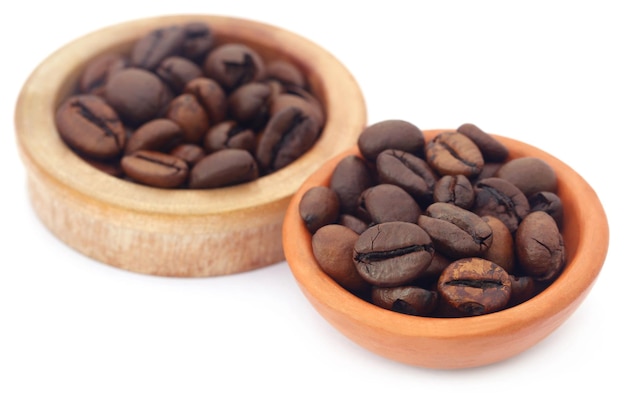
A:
[97,73]
[249,104]
[548,202]
[177,71]
[529,174]
[502,248]
[433,271]
[332,247]
[454,189]
[539,246]
[137,95]
[392,254]
[390,134]
[522,289]
[90,126]
[318,207]
[111,168]
[229,134]
[491,149]
[414,301]
[151,49]
[155,169]
[475,286]
[353,223]
[233,65]
[287,136]
[286,73]
[453,153]
[498,197]
[211,95]
[489,170]
[407,171]
[387,203]
[158,135]
[455,232]
[190,116]
[198,41]
[190,153]
[224,168]
[301,99]
[349,179]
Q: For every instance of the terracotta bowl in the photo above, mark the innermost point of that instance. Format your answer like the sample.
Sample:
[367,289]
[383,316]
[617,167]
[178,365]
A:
[174,232]
[459,342]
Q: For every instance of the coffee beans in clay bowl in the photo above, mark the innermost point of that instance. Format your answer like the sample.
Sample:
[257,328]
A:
[172,145]
[445,249]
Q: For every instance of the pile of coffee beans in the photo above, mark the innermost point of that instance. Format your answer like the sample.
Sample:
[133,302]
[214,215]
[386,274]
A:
[185,109]
[451,227]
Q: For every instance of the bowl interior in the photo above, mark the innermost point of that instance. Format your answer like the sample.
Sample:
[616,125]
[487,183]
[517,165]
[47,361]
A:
[470,341]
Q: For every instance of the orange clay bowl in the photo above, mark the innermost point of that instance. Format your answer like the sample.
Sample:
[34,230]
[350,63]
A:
[460,342]
[174,232]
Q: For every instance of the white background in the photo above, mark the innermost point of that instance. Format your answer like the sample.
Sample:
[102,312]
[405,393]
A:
[548,73]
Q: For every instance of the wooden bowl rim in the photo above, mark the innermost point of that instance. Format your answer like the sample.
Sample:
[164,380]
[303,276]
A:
[584,265]
[42,148]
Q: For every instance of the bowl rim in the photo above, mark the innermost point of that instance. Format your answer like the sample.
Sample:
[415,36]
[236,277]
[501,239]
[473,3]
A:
[549,307]
[50,157]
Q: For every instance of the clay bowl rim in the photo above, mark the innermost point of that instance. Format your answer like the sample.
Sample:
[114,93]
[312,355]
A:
[586,235]
[42,149]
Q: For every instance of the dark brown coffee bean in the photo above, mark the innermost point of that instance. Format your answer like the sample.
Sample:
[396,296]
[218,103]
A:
[492,149]
[522,289]
[387,203]
[437,265]
[392,254]
[414,301]
[349,179]
[475,286]
[353,223]
[157,135]
[390,134]
[97,73]
[229,134]
[233,65]
[287,136]
[177,71]
[90,126]
[498,197]
[452,153]
[190,153]
[548,202]
[502,248]
[190,116]
[198,41]
[151,49]
[286,73]
[454,189]
[211,95]
[529,174]
[299,98]
[539,246]
[137,95]
[155,169]
[249,104]
[111,168]
[318,207]
[224,168]
[455,232]
[332,247]
[408,172]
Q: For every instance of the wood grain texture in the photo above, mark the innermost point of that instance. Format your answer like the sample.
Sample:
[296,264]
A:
[191,233]
[464,342]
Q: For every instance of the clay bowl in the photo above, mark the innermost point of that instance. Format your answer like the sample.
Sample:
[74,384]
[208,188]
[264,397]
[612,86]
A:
[459,342]
[173,232]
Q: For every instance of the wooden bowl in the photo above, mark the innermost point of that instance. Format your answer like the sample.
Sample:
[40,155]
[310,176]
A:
[174,232]
[460,342]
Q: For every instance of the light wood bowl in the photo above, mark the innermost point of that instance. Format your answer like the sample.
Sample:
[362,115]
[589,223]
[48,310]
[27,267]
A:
[174,232]
[461,342]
